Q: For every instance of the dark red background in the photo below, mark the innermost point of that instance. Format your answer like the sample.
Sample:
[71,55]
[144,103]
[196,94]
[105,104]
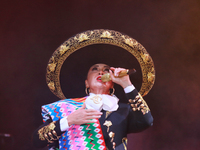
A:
[30,31]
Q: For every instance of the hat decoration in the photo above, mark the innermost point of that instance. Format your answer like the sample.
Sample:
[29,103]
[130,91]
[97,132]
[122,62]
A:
[99,36]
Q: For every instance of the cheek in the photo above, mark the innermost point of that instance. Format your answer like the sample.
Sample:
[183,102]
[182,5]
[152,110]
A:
[90,78]
[90,82]
[109,84]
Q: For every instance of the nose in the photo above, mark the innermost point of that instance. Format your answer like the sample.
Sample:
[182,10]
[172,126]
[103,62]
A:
[101,72]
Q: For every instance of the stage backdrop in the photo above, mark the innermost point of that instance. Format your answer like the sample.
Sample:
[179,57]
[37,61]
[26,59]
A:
[30,31]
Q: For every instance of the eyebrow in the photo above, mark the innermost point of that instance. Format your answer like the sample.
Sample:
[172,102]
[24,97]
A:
[106,66]
[95,66]
[103,66]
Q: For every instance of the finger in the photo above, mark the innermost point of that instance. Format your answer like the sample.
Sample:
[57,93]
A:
[93,117]
[114,71]
[84,106]
[93,114]
[111,75]
[112,68]
[93,111]
[90,121]
[117,71]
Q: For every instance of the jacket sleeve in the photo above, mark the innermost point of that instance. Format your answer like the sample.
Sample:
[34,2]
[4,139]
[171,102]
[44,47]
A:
[48,133]
[139,117]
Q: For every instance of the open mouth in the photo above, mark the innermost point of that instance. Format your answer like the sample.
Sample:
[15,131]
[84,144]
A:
[99,79]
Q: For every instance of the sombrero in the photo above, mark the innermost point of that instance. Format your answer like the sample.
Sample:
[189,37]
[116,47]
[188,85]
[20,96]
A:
[99,36]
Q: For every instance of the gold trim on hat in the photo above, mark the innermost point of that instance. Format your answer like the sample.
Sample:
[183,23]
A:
[99,36]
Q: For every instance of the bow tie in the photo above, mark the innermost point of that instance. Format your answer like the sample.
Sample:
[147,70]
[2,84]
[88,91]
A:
[102,101]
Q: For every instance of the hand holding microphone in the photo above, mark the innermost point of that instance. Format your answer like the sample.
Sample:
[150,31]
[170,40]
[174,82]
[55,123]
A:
[106,77]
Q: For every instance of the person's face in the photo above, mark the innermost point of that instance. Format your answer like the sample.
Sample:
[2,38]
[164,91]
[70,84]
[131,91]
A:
[94,79]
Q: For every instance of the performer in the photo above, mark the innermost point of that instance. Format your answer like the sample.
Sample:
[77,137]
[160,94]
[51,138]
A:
[98,121]
[116,119]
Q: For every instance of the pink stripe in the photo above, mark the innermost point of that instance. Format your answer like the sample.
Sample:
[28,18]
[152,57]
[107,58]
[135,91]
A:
[77,141]
[64,106]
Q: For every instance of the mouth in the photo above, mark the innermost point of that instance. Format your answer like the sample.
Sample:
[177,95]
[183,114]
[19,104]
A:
[99,79]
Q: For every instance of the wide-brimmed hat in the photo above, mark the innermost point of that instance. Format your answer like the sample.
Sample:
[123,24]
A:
[97,46]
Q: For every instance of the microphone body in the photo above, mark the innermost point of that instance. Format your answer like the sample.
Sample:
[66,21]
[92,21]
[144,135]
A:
[106,77]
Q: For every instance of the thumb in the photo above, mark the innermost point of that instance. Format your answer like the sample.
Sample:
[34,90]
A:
[84,106]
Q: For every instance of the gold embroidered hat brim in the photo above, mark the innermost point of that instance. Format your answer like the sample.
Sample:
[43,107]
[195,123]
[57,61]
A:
[99,36]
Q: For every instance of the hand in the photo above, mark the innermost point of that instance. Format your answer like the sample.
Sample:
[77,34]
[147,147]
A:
[82,115]
[123,81]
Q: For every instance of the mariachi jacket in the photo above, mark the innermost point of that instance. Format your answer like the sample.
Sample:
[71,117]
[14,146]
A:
[128,118]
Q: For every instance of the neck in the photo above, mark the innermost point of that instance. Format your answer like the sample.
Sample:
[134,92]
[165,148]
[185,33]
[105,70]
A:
[99,91]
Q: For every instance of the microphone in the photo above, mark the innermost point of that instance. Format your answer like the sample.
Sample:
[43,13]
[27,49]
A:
[106,77]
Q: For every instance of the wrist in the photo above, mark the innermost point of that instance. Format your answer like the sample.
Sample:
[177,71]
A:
[64,124]
[126,84]
[129,89]
[69,120]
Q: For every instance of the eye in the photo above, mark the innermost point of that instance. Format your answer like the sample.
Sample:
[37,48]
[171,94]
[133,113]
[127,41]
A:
[95,68]
[106,70]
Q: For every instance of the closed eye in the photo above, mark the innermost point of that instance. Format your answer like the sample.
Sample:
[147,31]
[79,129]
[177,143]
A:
[95,68]
[106,70]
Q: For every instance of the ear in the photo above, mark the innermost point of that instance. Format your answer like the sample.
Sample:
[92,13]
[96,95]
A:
[86,84]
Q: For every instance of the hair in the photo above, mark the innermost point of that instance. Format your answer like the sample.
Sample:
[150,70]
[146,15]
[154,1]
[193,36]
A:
[93,65]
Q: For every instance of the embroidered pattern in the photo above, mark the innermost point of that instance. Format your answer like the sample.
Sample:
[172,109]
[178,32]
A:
[139,104]
[96,99]
[108,113]
[48,133]
[124,141]
[111,135]
[108,124]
